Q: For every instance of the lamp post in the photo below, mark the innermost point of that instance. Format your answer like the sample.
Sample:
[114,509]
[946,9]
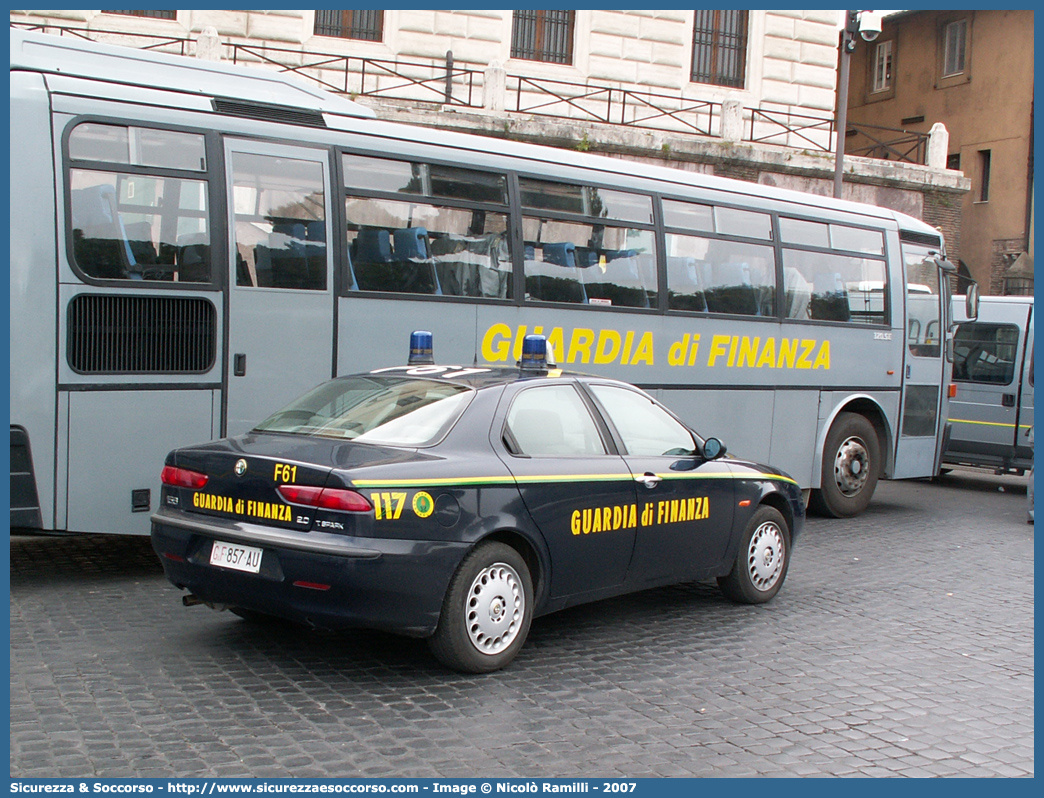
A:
[848,44]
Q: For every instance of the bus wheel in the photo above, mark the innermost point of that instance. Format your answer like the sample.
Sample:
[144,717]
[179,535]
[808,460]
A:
[851,464]
[487,611]
[761,561]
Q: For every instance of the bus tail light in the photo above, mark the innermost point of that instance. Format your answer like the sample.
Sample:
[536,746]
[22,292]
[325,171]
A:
[183,478]
[326,498]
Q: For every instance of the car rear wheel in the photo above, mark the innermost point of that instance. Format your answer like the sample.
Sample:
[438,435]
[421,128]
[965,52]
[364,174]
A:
[761,560]
[487,611]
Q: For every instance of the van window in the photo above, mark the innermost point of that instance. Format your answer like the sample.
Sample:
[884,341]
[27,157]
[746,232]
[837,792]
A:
[985,353]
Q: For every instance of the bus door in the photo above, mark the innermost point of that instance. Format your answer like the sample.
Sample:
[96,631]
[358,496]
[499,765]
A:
[281,286]
[924,372]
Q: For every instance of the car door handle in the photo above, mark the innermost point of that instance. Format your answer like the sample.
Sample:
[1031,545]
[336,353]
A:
[649,480]
[1008,400]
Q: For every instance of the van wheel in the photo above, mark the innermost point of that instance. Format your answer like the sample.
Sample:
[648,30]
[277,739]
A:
[851,465]
[761,560]
[487,611]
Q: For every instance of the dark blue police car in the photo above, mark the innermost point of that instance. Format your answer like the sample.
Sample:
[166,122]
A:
[458,503]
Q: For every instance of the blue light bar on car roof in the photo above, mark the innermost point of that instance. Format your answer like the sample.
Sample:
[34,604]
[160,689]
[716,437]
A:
[534,354]
[421,349]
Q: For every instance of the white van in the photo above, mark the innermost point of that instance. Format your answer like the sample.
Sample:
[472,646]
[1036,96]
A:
[992,411]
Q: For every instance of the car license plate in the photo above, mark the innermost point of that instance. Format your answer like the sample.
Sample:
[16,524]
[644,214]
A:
[236,557]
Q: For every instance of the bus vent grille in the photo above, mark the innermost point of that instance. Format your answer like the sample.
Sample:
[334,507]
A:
[141,335]
[269,112]
[920,238]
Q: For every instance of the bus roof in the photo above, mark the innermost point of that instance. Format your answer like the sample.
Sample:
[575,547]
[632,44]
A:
[39,52]
[150,69]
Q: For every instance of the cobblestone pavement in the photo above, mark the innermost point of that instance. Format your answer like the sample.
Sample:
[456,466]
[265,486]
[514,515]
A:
[902,644]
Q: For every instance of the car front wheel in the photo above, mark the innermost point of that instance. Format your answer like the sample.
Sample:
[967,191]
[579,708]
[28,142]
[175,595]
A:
[761,560]
[487,611]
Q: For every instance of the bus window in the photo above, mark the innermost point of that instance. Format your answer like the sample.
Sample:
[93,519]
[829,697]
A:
[856,239]
[600,203]
[923,303]
[828,287]
[720,276]
[748,224]
[804,233]
[416,248]
[119,144]
[985,353]
[139,227]
[280,222]
[367,174]
[594,263]
[688,215]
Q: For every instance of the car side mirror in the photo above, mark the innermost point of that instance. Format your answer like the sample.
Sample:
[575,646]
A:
[713,449]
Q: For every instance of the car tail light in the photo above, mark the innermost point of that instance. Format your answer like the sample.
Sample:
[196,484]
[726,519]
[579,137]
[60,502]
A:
[326,498]
[183,478]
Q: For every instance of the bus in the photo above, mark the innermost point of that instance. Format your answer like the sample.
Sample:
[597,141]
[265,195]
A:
[194,244]
[991,412]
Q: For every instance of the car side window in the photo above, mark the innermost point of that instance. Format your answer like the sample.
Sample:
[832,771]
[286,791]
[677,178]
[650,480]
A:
[645,427]
[551,421]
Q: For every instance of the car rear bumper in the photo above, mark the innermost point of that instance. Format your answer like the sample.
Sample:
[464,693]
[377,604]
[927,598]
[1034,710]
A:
[324,580]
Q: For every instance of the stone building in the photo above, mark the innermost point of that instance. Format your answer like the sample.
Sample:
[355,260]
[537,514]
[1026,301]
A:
[743,94]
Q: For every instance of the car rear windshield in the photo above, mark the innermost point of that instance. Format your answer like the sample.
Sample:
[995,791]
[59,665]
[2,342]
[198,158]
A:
[387,410]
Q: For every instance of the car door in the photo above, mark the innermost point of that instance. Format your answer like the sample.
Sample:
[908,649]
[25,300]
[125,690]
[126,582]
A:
[685,503]
[579,495]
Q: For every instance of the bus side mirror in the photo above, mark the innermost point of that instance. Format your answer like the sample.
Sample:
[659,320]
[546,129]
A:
[713,449]
[971,302]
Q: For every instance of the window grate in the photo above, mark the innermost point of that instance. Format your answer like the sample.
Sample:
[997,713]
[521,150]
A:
[141,335]
[543,36]
[366,24]
[719,48]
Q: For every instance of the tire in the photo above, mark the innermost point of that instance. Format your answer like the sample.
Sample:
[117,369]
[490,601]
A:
[851,465]
[761,561]
[487,611]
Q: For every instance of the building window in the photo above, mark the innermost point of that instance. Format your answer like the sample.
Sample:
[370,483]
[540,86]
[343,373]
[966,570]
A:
[149,14]
[953,161]
[543,36]
[882,67]
[985,156]
[367,24]
[719,48]
[955,48]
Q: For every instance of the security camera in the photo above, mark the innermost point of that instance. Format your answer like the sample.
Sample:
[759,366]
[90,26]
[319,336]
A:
[870,25]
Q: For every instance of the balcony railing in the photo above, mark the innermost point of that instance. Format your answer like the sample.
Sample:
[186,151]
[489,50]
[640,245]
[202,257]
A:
[464,85]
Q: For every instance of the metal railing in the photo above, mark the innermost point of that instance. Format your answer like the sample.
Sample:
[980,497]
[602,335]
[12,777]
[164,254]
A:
[142,41]
[372,77]
[462,85]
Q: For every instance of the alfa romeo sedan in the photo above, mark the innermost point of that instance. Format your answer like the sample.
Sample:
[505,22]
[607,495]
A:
[458,503]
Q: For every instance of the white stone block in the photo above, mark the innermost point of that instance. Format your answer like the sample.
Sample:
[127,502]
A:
[815,32]
[783,92]
[278,28]
[613,23]
[227,23]
[816,76]
[782,49]
[818,55]
[817,99]
[776,70]
[780,26]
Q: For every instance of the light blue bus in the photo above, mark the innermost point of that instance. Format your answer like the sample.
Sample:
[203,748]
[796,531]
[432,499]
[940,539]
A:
[193,245]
